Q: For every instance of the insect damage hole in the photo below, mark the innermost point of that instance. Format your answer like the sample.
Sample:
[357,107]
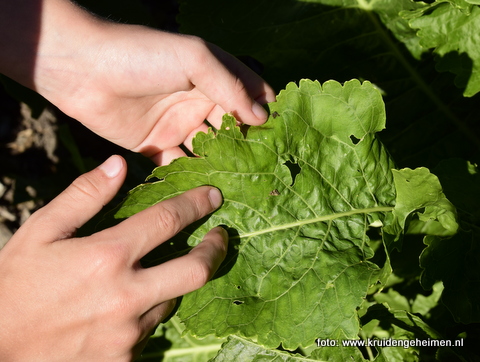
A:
[354,139]
[238,302]
[274,193]
[294,170]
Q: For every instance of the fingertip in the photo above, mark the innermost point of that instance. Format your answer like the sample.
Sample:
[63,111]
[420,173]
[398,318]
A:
[213,247]
[254,116]
[223,233]
[216,241]
[165,157]
[112,166]
[259,112]
[218,234]
[267,95]
[82,200]
[215,197]
[270,97]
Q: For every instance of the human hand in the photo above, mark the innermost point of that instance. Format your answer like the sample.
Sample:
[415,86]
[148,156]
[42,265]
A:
[143,89]
[88,298]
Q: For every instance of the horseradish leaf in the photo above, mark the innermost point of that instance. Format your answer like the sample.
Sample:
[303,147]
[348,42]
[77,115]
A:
[302,194]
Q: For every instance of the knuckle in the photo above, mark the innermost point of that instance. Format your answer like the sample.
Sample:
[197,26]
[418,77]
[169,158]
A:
[174,214]
[131,335]
[200,206]
[128,303]
[197,42]
[239,93]
[109,256]
[239,86]
[201,52]
[83,188]
[170,219]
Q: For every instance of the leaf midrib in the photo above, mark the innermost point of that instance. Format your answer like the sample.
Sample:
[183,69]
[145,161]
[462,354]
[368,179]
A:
[314,220]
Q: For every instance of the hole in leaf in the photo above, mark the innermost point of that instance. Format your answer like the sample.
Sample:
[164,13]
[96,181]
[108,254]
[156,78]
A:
[294,170]
[354,139]
[238,302]
[374,233]
[244,129]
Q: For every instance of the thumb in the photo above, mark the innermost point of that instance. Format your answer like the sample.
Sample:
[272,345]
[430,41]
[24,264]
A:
[231,84]
[78,203]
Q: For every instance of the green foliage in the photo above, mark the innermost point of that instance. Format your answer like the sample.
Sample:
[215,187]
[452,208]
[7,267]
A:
[309,221]
[455,261]
[452,29]
[301,247]
[428,117]
[291,276]
[239,349]
[327,233]
[171,343]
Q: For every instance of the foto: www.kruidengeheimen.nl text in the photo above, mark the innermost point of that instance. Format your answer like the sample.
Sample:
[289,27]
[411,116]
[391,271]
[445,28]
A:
[390,342]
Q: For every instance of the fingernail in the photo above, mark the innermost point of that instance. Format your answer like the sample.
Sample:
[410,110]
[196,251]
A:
[215,197]
[112,166]
[259,111]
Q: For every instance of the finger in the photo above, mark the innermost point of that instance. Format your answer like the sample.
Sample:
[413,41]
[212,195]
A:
[188,143]
[77,204]
[179,118]
[189,272]
[189,139]
[234,88]
[155,315]
[137,349]
[149,228]
[165,157]
[256,87]
[215,117]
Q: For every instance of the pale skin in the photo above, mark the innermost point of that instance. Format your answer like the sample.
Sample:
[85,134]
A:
[145,90]
[89,299]
[66,298]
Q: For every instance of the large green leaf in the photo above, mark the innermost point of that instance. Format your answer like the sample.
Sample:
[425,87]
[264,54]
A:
[302,238]
[300,195]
